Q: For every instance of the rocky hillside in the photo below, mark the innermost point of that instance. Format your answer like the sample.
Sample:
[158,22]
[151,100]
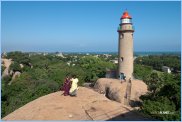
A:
[88,105]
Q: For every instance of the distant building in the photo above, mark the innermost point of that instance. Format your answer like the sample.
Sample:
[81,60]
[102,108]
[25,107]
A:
[68,63]
[96,56]
[115,61]
[107,55]
[60,54]
[166,69]
[45,54]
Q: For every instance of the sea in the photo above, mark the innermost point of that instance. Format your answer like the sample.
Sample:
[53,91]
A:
[143,53]
[156,53]
[135,53]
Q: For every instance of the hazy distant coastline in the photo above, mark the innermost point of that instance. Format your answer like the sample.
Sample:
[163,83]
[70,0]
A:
[137,53]
[157,53]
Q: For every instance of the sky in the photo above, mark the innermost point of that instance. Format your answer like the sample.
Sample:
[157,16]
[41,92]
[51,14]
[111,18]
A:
[88,26]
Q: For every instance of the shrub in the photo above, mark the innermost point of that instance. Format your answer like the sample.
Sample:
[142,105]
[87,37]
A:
[15,67]
[2,69]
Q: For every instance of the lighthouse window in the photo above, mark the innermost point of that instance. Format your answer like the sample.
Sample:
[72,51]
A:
[126,20]
[121,59]
[121,36]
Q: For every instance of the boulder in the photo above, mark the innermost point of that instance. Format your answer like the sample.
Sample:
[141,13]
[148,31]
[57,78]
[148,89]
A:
[21,65]
[115,90]
[16,74]
[5,72]
[112,88]
[138,88]
[11,72]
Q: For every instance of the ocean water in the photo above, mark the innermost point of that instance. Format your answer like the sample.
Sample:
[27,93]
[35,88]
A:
[135,53]
[156,53]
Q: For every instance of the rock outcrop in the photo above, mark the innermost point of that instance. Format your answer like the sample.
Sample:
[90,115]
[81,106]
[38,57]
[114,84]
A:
[115,90]
[7,72]
[112,88]
[21,65]
[16,74]
[138,88]
[88,105]
[6,63]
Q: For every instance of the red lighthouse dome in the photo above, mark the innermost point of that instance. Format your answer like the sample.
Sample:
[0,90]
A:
[126,15]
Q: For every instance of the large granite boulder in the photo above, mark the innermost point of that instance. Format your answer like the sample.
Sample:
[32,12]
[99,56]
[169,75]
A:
[115,90]
[112,88]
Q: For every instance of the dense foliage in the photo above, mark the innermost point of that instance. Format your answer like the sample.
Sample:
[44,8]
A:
[19,57]
[162,102]
[141,72]
[158,61]
[2,69]
[15,66]
[95,67]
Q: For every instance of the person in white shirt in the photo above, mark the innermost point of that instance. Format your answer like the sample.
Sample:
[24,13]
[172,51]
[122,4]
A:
[74,86]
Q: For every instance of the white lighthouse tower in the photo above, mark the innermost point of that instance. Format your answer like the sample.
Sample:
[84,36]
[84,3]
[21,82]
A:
[125,59]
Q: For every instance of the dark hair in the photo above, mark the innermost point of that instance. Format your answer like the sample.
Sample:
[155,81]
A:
[73,76]
[67,75]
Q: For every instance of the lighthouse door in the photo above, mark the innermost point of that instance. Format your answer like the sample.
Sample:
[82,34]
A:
[121,76]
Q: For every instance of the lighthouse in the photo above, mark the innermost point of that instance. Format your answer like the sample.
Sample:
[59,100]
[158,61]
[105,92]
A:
[125,47]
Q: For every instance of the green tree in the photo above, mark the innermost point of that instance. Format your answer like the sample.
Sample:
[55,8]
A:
[141,71]
[94,67]
[2,69]
[164,96]
[15,66]
[19,57]
[160,60]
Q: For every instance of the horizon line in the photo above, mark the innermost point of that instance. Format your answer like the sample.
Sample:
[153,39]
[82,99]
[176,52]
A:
[83,51]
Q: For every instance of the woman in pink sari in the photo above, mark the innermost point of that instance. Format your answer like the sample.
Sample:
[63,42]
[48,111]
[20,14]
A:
[67,86]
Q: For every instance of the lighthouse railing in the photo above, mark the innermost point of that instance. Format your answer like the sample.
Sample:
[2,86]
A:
[125,28]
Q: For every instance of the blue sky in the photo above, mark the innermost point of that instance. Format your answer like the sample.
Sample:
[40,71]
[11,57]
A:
[88,26]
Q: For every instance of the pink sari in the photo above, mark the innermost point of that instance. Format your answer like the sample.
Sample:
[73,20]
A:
[67,86]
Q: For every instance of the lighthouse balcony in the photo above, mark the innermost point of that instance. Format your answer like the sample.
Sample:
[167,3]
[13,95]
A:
[126,28]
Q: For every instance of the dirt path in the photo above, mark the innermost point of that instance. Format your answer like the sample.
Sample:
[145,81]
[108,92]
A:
[88,105]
